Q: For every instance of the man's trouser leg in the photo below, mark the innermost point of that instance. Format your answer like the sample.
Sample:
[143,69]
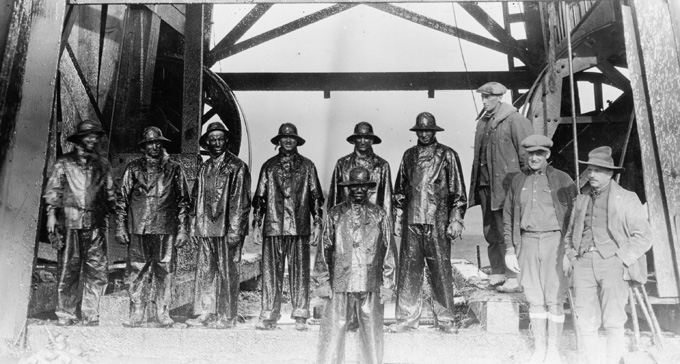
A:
[150,271]
[410,276]
[331,347]
[205,297]
[492,221]
[369,311]
[228,280]
[298,275]
[587,305]
[531,279]
[613,299]
[274,250]
[437,254]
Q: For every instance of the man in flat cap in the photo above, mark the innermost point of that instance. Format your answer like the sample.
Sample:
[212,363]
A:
[152,207]
[221,205]
[289,199]
[606,242]
[430,202]
[354,268]
[498,158]
[79,196]
[536,215]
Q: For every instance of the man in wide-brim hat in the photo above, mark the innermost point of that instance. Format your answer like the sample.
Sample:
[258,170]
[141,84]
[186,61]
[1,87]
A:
[287,200]
[221,198]
[430,202]
[152,207]
[606,242]
[355,230]
[79,196]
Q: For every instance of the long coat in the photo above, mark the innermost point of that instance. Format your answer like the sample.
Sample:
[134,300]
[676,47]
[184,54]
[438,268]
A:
[505,156]
[380,195]
[626,222]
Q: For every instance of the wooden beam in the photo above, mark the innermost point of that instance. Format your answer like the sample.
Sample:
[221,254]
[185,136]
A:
[372,81]
[497,30]
[219,54]
[192,110]
[240,29]
[286,1]
[615,76]
[171,15]
[23,168]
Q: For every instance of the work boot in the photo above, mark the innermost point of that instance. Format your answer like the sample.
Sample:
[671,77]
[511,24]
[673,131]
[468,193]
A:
[301,324]
[538,330]
[224,323]
[91,321]
[65,321]
[201,320]
[448,327]
[497,279]
[511,285]
[136,316]
[164,319]
[555,324]
[399,328]
[266,325]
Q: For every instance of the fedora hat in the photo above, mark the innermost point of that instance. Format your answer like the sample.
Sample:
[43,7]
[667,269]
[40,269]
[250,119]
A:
[364,129]
[152,134]
[288,130]
[214,126]
[86,127]
[425,121]
[601,157]
[358,176]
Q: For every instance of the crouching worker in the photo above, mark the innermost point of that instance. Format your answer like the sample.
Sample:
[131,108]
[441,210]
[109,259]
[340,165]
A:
[354,268]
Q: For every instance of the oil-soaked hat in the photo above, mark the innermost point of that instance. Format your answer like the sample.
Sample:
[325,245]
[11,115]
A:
[364,129]
[492,88]
[152,134]
[602,157]
[214,126]
[288,130]
[537,142]
[426,121]
[86,127]
[358,176]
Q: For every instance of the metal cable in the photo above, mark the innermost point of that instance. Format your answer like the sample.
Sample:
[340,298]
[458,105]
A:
[462,55]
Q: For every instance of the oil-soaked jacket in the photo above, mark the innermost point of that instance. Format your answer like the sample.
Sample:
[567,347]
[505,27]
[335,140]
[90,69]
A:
[288,195]
[430,188]
[357,253]
[221,197]
[505,156]
[83,193]
[380,195]
[153,197]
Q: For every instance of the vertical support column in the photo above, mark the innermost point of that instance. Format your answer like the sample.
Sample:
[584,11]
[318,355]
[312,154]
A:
[23,168]
[192,109]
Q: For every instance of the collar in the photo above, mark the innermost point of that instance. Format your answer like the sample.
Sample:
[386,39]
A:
[540,171]
[594,193]
[368,154]
[431,146]
[218,160]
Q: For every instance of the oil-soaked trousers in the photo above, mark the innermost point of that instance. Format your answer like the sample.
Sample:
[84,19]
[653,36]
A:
[423,244]
[369,312]
[492,221]
[217,278]
[275,249]
[150,270]
[83,260]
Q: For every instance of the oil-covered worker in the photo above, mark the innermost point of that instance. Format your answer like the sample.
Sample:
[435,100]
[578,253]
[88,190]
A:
[288,199]
[221,198]
[354,268]
[606,242]
[80,195]
[537,208]
[498,158]
[152,206]
[430,202]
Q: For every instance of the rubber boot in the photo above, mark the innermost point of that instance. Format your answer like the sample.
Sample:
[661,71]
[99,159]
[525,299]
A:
[538,330]
[555,325]
[136,316]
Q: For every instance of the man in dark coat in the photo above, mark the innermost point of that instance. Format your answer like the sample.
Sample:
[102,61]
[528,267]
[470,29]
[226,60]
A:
[606,242]
[355,270]
[537,208]
[79,196]
[152,207]
[287,198]
[429,196]
[221,197]
[498,158]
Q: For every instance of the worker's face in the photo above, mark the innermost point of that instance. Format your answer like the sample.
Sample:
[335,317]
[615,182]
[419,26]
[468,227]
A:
[288,143]
[598,177]
[153,149]
[490,101]
[90,142]
[363,144]
[426,137]
[358,193]
[217,143]
[538,159]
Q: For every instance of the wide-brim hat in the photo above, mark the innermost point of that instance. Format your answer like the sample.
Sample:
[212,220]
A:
[358,176]
[537,142]
[84,128]
[214,126]
[152,134]
[601,157]
[426,121]
[288,130]
[364,129]
[492,88]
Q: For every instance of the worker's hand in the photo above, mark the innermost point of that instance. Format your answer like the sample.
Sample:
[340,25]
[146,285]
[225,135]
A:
[511,263]
[566,266]
[397,230]
[51,223]
[454,230]
[316,235]
[385,294]
[122,237]
[324,291]
[182,239]
[257,233]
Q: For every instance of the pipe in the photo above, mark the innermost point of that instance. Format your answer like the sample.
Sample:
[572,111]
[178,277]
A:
[572,92]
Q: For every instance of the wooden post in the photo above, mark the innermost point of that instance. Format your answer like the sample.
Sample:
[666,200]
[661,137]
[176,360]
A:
[194,47]
[23,166]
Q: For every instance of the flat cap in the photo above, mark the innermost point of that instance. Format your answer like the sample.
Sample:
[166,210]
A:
[492,88]
[537,142]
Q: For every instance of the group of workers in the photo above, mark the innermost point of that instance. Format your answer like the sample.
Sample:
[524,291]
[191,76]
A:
[539,229]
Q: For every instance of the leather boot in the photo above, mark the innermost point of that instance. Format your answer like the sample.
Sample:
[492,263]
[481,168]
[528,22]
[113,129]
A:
[555,325]
[164,319]
[538,330]
[201,320]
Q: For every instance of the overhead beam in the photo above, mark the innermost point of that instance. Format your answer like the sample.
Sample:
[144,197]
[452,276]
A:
[372,81]
[172,15]
[286,1]
[495,29]
[240,29]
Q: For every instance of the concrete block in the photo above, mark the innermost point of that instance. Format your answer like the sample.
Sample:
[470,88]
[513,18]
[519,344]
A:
[114,309]
[496,312]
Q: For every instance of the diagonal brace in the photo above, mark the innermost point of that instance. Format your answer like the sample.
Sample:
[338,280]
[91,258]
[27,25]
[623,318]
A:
[241,28]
